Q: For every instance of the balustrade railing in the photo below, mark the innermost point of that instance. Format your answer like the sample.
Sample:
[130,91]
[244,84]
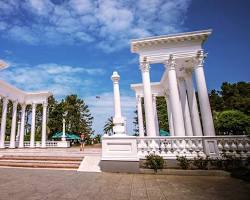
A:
[37,144]
[170,147]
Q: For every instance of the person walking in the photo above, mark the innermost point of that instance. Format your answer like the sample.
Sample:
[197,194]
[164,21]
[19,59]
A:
[82,142]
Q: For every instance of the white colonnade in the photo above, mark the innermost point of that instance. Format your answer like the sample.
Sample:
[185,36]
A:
[182,57]
[11,95]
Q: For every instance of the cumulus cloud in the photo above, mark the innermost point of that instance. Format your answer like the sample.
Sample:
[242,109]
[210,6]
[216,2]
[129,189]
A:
[60,79]
[108,24]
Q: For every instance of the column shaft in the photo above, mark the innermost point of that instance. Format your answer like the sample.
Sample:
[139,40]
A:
[13,126]
[170,117]
[176,108]
[148,104]
[33,126]
[140,117]
[185,108]
[156,116]
[206,114]
[3,122]
[194,112]
[21,138]
[44,125]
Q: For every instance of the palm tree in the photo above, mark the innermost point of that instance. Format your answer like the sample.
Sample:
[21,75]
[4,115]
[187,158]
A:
[108,127]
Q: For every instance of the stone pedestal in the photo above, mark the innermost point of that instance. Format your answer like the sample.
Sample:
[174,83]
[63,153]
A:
[119,154]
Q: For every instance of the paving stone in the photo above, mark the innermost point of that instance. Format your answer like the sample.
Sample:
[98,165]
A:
[41,184]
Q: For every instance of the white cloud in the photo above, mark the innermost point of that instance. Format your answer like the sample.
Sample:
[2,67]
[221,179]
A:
[108,23]
[102,109]
[61,80]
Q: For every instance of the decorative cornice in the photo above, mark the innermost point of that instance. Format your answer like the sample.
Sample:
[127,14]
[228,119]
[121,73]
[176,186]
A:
[166,39]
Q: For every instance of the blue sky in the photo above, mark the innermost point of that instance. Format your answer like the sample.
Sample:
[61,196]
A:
[72,46]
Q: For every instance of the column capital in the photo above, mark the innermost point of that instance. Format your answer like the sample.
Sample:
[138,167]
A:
[45,104]
[138,98]
[170,64]
[144,65]
[33,105]
[115,77]
[5,101]
[23,105]
[15,103]
[154,97]
[200,58]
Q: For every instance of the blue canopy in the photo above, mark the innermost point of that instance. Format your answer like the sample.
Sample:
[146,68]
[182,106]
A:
[70,136]
[164,133]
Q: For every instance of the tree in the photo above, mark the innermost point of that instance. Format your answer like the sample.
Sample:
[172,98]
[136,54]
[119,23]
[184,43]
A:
[162,113]
[108,127]
[236,96]
[78,117]
[232,122]
[216,101]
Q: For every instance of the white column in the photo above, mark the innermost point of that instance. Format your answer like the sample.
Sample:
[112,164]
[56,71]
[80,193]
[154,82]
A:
[170,116]
[18,130]
[195,117]
[33,126]
[44,124]
[3,122]
[64,131]
[21,138]
[117,101]
[13,126]
[148,104]
[140,116]
[118,120]
[156,116]
[185,107]
[178,122]
[206,114]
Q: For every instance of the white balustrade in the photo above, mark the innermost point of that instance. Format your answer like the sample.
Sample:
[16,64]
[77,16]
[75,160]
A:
[192,146]
[50,144]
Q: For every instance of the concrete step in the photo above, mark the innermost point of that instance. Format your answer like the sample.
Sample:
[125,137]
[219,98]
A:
[42,158]
[59,162]
[41,161]
[39,165]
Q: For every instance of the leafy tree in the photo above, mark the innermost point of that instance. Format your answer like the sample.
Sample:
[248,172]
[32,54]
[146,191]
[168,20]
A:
[236,96]
[232,122]
[78,117]
[216,101]
[108,127]
[162,113]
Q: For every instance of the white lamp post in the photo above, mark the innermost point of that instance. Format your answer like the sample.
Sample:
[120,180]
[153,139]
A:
[64,133]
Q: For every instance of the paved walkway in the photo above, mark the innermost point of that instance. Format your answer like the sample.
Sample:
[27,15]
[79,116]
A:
[41,184]
[70,152]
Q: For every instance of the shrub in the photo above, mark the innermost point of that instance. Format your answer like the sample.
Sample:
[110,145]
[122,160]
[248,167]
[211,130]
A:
[201,163]
[154,162]
[183,162]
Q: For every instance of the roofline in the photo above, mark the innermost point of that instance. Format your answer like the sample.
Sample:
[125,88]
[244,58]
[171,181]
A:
[193,33]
